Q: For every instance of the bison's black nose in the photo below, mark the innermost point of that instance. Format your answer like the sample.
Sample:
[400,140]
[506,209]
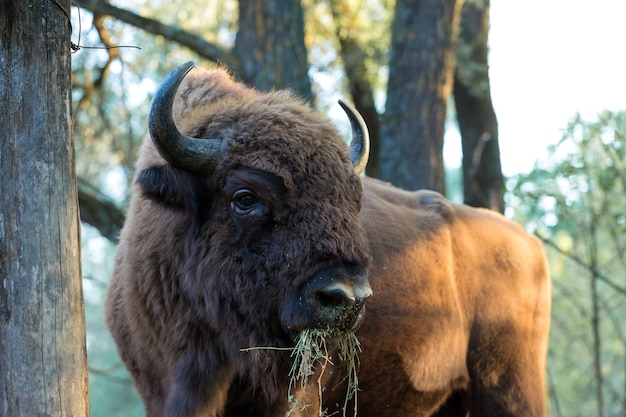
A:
[340,295]
[334,298]
[336,303]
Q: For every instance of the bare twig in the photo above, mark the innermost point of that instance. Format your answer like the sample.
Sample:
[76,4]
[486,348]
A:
[582,263]
[196,43]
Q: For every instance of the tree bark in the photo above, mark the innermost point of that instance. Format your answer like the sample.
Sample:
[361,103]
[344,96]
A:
[353,57]
[43,366]
[421,69]
[270,46]
[483,183]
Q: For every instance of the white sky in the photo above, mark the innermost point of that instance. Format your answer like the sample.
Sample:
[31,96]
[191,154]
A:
[550,59]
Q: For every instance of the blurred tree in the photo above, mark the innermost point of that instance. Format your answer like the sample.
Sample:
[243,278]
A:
[576,203]
[43,360]
[361,46]
[196,43]
[269,51]
[270,46]
[483,183]
[354,57]
[421,69]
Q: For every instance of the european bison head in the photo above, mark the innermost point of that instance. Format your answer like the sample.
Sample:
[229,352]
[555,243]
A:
[243,231]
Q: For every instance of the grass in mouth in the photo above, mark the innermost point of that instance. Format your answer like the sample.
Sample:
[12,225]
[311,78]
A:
[311,353]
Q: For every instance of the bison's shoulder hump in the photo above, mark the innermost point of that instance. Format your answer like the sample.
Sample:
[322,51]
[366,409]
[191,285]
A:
[418,201]
[434,202]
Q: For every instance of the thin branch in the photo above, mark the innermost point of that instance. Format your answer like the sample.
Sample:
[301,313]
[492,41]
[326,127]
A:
[582,263]
[99,211]
[90,86]
[354,61]
[595,312]
[196,43]
[107,374]
[554,398]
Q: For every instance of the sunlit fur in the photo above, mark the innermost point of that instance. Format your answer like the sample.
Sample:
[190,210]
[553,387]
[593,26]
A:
[461,297]
[460,312]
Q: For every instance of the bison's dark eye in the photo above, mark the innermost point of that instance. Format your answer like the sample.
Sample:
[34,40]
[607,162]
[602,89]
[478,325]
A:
[245,202]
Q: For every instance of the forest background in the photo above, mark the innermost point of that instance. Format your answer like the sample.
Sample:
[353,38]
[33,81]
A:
[572,197]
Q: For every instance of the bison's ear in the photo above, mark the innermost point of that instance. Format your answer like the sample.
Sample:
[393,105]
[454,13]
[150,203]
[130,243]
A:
[172,187]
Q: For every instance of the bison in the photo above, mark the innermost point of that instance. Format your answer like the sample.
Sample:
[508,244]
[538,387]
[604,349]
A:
[250,222]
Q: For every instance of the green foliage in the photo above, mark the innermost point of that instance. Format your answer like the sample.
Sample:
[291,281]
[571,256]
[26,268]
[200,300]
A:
[585,177]
[576,203]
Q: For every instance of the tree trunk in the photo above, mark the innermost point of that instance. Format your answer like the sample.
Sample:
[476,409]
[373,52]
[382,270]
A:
[270,46]
[483,183]
[421,69]
[43,366]
[353,57]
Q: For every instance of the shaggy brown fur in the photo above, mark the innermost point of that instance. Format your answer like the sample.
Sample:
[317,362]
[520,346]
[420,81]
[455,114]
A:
[461,297]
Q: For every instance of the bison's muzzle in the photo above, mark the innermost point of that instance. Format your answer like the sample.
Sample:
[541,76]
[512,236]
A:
[332,299]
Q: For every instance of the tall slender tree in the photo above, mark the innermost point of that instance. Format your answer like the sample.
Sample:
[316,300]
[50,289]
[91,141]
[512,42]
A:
[358,78]
[43,368]
[483,183]
[421,69]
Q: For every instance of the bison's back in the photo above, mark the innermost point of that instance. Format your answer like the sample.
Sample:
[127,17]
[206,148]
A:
[459,295]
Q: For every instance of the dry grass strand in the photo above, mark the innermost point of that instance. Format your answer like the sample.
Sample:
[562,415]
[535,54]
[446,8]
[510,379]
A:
[311,353]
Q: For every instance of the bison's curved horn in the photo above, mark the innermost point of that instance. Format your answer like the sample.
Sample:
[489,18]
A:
[360,143]
[195,155]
